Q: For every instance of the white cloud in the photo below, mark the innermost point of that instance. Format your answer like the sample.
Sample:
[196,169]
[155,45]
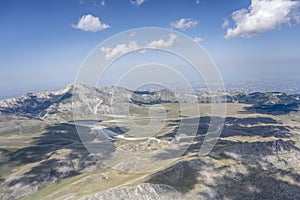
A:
[161,43]
[97,3]
[137,2]
[121,49]
[225,23]
[102,2]
[197,2]
[90,23]
[262,16]
[184,23]
[198,39]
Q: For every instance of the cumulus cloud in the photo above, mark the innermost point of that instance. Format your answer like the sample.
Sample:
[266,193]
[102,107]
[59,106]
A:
[262,16]
[161,43]
[137,2]
[198,39]
[121,49]
[197,2]
[184,23]
[90,23]
[225,23]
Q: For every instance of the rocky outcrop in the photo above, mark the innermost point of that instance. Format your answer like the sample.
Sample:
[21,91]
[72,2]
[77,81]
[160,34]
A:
[143,191]
[34,105]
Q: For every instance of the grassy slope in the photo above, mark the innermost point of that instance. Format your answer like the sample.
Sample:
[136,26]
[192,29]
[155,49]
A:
[95,181]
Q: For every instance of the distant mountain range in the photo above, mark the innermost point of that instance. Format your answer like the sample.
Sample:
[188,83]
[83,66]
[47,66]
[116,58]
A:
[98,101]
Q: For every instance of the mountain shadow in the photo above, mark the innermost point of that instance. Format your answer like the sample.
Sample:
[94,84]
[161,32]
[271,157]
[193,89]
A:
[59,153]
[273,109]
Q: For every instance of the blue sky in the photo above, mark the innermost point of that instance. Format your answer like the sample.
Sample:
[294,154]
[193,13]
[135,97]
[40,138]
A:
[41,48]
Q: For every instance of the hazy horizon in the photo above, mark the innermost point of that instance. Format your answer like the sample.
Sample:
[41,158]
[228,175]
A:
[289,86]
[43,44]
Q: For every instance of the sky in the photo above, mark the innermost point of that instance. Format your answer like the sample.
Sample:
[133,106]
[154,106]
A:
[43,43]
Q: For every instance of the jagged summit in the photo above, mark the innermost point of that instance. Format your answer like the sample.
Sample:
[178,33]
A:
[45,104]
[34,105]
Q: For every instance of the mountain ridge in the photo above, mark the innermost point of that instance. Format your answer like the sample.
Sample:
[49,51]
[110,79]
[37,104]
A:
[41,105]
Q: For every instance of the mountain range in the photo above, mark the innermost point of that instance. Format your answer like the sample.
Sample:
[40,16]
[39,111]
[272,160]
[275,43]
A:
[42,156]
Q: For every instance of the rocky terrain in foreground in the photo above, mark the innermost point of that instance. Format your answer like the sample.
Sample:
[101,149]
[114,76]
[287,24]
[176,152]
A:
[256,156]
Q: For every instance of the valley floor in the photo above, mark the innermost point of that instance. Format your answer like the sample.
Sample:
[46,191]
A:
[256,157]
